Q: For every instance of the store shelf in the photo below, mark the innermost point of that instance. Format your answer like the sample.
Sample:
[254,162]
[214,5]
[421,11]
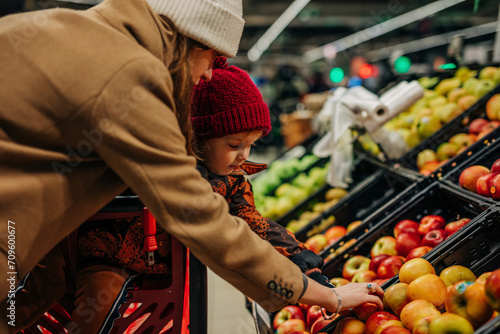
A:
[458,125]
[476,246]
[436,199]
[485,157]
[363,169]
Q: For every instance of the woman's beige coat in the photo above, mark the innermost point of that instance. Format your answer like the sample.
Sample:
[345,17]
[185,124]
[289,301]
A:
[86,109]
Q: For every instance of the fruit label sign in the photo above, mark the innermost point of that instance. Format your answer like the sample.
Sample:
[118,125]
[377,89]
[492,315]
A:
[11,273]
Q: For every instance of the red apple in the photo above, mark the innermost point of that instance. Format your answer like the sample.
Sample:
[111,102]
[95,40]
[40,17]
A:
[353,225]
[495,187]
[339,281]
[390,267]
[334,233]
[290,326]
[304,307]
[477,125]
[376,261]
[492,290]
[495,168]
[405,225]
[468,300]
[418,252]
[482,278]
[380,281]
[365,310]
[453,227]
[407,241]
[320,324]
[313,314]
[416,311]
[433,238]
[353,265]
[350,326]
[493,107]
[483,185]
[468,177]
[364,276]
[316,243]
[395,330]
[429,223]
[384,245]
[376,319]
[287,313]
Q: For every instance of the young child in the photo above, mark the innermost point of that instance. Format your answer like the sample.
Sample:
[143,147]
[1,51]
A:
[228,116]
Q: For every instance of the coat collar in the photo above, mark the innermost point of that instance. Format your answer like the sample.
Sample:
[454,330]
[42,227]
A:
[246,168]
[249,168]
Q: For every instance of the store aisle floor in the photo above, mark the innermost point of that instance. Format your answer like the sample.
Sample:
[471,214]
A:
[227,313]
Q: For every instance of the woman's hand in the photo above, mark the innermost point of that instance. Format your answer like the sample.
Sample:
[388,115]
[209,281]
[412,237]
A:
[352,295]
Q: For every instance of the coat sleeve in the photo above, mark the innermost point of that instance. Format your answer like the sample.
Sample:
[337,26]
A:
[243,205]
[142,142]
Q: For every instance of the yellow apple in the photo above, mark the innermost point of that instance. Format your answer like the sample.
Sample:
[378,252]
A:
[415,268]
[428,287]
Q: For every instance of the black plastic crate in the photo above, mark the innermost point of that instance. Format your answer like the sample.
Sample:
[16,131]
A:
[475,246]
[364,198]
[436,199]
[458,125]
[489,154]
[363,168]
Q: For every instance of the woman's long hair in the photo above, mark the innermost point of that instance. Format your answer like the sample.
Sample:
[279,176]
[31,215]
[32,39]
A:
[183,84]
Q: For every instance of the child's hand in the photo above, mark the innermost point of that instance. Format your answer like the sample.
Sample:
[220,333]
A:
[307,260]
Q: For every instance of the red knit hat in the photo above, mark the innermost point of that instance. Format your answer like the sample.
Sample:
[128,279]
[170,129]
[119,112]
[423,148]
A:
[230,103]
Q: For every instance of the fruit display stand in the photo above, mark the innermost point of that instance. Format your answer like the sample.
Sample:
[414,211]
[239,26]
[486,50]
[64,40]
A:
[485,157]
[365,198]
[458,125]
[452,97]
[363,168]
[476,247]
[435,199]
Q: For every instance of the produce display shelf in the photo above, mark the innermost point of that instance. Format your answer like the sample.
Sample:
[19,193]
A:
[475,246]
[367,196]
[485,157]
[457,125]
[436,199]
[363,168]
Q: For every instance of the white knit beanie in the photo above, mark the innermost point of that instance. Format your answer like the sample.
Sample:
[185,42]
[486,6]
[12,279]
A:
[217,24]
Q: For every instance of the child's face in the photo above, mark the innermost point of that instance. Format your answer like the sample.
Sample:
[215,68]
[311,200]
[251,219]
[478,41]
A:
[227,153]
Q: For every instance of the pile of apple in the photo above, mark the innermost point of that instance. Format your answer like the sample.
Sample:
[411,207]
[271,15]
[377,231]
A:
[389,253]
[319,242]
[425,303]
[450,98]
[482,180]
[422,302]
[332,196]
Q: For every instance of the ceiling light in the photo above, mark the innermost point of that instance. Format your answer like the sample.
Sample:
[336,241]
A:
[381,28]
[275,29]
[431,42]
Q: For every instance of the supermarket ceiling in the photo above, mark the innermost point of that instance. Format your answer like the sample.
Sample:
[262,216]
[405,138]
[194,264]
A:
[369,26]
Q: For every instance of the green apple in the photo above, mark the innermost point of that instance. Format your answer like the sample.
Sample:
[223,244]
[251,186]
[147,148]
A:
[427,126]
[449,323]
[425,156]
[446,151]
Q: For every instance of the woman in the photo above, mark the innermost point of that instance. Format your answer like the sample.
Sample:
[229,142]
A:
[97,101]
